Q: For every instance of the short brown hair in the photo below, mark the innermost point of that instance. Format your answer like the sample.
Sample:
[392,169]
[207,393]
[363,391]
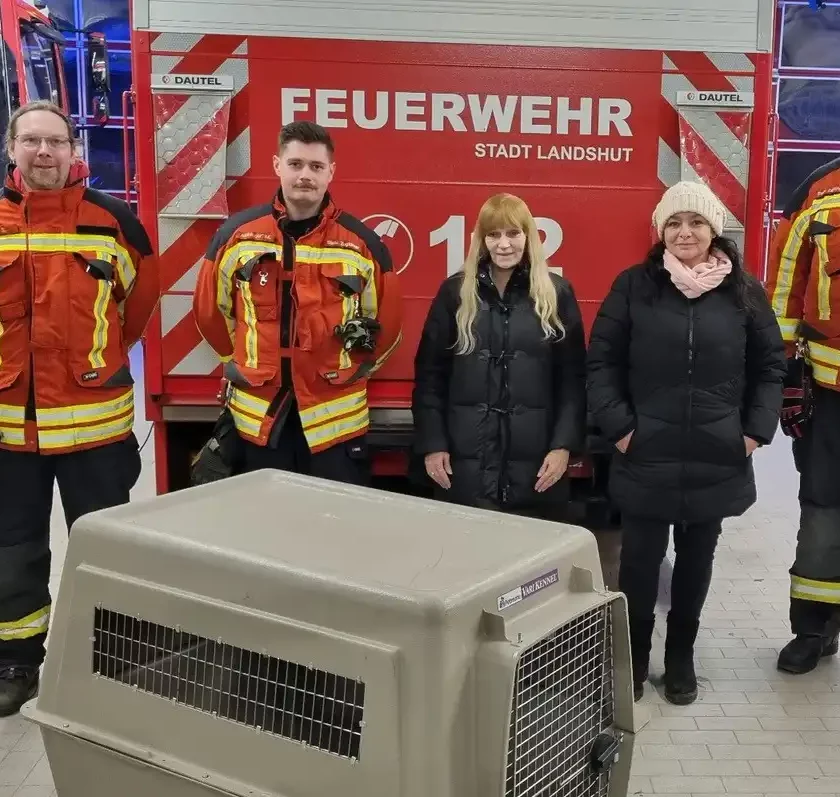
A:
[39,105]
[306,133]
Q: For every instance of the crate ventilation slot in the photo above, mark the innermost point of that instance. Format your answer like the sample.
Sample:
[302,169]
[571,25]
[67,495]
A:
[292,701]
[562,701]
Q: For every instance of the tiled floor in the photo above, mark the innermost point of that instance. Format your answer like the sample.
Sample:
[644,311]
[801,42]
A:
[752,732]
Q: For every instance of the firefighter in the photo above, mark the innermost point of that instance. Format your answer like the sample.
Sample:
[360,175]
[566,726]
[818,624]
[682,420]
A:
[804,287]
[301,303]
[78,284]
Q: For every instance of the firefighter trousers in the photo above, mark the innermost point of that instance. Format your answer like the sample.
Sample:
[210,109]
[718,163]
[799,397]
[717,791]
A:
[347,462]
[88,480]
[815,575]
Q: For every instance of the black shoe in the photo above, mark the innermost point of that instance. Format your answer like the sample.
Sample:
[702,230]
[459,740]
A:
[803,653]
[641,635]
[680,679]
[17,685]
[639,684]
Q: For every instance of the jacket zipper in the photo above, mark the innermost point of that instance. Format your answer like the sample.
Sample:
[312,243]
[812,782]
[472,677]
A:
[687,434]
[505,410]
[30,413]
[288,265]
[280,404]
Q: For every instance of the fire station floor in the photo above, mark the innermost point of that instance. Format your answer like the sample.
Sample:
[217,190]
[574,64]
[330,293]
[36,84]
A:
[753,730]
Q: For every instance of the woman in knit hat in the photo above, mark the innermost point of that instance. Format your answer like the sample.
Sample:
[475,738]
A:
[685,373]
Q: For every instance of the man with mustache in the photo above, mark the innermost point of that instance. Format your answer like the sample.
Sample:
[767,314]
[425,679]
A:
[301,303]
[78,283]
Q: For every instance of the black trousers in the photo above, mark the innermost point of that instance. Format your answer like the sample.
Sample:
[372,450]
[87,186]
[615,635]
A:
[815,575]
[347,462]
[90,480]
[643,547]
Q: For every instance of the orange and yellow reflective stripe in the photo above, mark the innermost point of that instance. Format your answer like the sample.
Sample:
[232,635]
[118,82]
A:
[248,411]
[790,252]
[12,420]
[65,427]
[29,626]
[332,420]
[809,589]
[251,355]
[96,358]
[825,363]
[238,253]
[823,279]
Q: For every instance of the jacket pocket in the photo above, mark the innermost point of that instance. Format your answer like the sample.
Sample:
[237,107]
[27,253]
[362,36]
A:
[12,276]
[719,442]
[635,439]
[95,341]
[827,244]
[257,332]
[14,315]
[340,289]
[14,348]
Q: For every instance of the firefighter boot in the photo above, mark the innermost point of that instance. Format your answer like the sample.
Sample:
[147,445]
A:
[803,653]
[641,637]
[680,679]
[17,685]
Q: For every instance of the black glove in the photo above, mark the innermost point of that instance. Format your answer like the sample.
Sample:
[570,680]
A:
[797,397]
[219,455]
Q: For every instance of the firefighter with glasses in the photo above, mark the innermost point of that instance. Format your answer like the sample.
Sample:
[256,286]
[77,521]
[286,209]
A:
[78,283]
[804,286]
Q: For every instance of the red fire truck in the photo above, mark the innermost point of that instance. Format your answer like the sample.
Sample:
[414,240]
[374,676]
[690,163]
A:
[587,112]
[31,65]
[30,61]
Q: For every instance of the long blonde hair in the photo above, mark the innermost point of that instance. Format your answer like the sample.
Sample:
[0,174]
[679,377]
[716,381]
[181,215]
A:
[498,212]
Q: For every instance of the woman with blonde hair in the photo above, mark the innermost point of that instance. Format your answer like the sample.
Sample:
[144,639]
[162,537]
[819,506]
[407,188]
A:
[500,374]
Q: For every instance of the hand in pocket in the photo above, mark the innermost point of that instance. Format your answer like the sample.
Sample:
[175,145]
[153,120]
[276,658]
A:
[623,444]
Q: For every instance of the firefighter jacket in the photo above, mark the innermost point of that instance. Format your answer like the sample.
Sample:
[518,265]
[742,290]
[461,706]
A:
[78,284]
[804,272]
[269,306]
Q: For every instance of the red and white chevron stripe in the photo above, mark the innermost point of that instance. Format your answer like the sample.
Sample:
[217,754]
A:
[707,145]
[203,146]
[190,141]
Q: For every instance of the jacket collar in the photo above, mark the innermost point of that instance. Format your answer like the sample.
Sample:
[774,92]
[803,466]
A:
[57,200]
[327,210]
[520,279]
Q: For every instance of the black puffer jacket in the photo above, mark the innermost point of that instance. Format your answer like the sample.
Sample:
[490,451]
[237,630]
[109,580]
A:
[692,378]
[500,409]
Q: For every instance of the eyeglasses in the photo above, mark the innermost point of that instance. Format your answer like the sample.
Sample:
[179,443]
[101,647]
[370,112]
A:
[34,142]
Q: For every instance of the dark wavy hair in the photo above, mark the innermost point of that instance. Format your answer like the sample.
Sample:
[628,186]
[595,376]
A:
[743,286]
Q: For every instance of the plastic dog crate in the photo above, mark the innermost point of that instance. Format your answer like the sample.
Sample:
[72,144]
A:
[278,635]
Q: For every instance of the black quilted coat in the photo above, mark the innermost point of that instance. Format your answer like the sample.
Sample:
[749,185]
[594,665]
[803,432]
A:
[500,409]
[692,378]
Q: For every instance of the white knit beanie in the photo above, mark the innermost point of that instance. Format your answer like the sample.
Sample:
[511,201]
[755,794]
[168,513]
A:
[690,197]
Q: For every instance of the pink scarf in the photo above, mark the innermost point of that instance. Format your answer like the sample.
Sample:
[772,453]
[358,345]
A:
[694,281]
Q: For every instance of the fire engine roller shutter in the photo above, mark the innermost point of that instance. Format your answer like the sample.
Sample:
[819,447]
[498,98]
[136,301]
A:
[735,25]
[218,153]
[711,98]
